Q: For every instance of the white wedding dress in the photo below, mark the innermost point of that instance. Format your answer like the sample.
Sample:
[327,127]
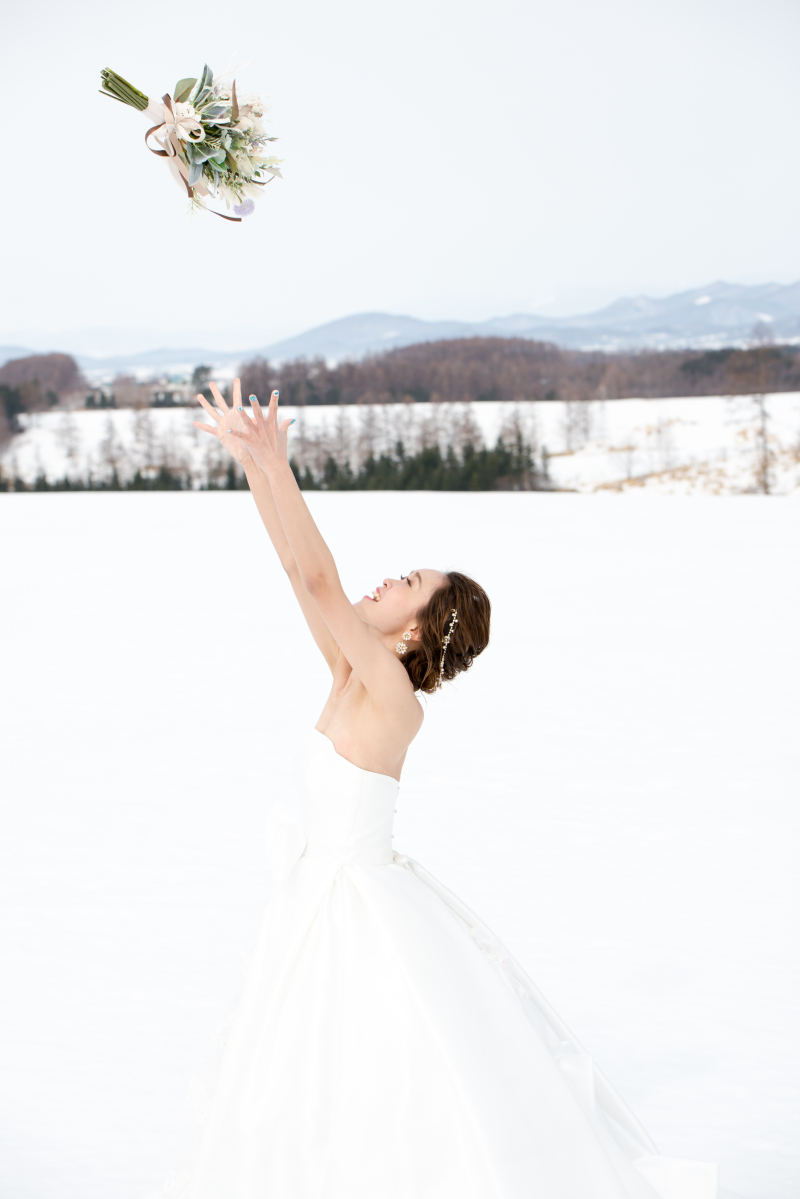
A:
[386,1046]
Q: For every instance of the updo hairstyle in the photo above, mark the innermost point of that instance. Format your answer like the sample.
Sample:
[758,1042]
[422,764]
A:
[469,637]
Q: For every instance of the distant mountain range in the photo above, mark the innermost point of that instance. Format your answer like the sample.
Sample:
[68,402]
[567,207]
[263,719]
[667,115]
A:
[722,314]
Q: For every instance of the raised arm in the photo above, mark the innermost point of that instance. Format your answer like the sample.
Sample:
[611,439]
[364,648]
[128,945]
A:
[226,418]
[376,666]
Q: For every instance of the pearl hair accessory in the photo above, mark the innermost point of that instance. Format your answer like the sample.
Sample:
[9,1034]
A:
[401,647]
[445,643]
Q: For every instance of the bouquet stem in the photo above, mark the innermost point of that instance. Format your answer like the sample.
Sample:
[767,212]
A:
[119,89]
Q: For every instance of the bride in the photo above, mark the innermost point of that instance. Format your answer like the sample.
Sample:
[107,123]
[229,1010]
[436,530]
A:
[385,1045]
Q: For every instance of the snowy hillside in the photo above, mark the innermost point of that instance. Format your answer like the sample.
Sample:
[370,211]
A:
[676,446]
[720,314]
[613,787]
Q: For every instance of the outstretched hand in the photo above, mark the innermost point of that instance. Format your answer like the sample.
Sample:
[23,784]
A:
[227,419]
[264,439]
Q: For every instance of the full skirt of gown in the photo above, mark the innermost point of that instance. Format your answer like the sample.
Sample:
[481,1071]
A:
[386,1046]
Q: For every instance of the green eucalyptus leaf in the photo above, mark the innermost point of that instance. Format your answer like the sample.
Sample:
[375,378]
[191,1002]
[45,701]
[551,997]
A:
[183,90]
[204,153]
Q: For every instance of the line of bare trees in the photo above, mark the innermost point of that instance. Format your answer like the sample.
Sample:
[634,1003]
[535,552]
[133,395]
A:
[432,447]
[496,368]
[476,369]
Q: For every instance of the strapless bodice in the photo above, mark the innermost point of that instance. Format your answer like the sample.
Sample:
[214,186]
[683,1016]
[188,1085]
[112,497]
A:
[346,812]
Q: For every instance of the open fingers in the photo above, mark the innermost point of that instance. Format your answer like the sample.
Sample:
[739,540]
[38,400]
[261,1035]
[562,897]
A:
[237,392]
[212,412]
[219,397]
[258,414]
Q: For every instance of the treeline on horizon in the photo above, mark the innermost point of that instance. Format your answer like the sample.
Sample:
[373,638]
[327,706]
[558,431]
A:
[463,369]
[497,368]
[509,466]
[35,384]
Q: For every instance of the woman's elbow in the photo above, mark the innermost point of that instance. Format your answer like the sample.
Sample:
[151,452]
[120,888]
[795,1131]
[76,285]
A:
[317,583]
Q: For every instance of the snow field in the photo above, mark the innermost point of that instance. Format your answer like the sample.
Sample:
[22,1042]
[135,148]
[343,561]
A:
[673,446]
[613,787]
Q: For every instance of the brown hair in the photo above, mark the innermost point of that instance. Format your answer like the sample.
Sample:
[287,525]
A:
[469,637]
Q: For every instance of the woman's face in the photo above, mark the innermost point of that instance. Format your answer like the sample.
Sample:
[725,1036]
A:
[392,607]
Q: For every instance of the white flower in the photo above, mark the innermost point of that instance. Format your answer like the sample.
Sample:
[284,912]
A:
[186,124]
[255,103]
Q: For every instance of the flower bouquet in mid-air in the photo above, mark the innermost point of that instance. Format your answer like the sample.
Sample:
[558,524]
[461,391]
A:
[213,140]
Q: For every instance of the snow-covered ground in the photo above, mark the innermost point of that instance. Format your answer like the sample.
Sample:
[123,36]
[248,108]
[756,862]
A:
[613,788]
[678,446]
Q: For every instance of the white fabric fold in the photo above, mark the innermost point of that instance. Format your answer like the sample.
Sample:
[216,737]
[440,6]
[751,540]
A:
[670,1178]
[285,840]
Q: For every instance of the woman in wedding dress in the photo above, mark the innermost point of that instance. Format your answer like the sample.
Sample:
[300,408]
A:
[384,1044]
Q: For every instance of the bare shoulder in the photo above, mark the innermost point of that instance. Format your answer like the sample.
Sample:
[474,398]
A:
[411,729]
[410,713]
[395,721]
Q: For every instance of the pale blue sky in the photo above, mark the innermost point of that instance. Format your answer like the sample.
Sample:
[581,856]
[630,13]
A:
[442,158]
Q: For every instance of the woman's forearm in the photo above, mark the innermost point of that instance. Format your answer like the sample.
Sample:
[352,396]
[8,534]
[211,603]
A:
[262,494]
[261,491]
[306,544]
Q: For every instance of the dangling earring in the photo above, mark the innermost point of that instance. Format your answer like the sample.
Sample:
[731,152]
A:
[401,648]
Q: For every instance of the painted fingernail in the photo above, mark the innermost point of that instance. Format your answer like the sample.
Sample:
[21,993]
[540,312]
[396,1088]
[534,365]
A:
[275,393]
[230,430]
[252,397]
[291,422]
[240,407]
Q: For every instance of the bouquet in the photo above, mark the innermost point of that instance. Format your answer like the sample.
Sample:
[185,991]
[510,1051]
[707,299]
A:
[213,140]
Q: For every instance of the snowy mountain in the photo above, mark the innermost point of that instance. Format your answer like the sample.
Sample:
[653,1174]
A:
[721,314]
